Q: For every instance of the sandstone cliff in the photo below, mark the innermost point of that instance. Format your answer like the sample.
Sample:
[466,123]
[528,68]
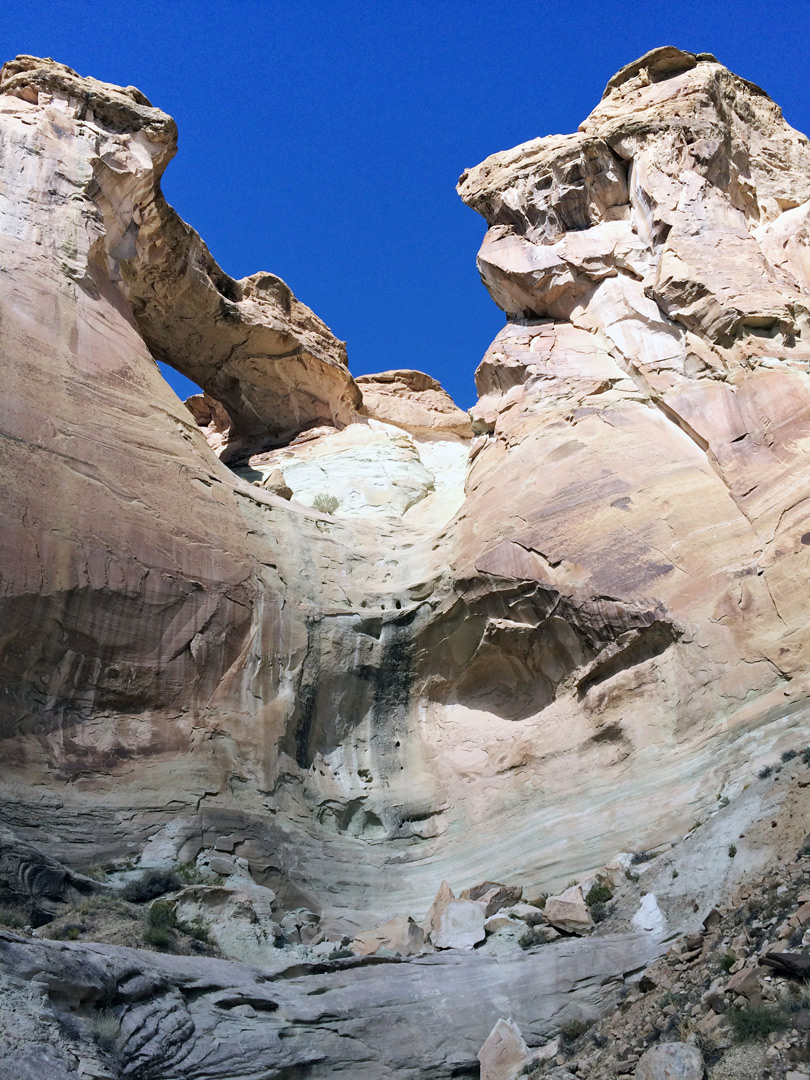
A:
[339,629]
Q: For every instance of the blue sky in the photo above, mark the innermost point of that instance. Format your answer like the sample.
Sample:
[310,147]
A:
[323,141]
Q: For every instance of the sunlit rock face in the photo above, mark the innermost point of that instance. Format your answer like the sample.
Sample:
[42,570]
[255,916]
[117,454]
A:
[341,628]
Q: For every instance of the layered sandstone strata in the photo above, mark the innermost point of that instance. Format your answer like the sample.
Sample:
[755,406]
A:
[392,644]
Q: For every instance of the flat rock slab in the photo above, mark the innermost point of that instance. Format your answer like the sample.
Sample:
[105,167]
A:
[422,1019]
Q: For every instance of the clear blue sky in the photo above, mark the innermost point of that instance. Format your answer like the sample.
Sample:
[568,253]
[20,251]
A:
[323,141]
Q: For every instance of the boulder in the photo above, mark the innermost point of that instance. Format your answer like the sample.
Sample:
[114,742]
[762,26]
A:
[493,895]
[744,982]
[569,912]
[275,483]
[670,1061]
[460,925]
[440,902]
[504,1053]
[399,935]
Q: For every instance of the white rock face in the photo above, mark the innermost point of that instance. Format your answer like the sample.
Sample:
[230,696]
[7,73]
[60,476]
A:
[460,925]
[649,916]
[606,581]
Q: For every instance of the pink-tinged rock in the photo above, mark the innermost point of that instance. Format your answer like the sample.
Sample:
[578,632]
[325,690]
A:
[399,935]
[569,912]
[504,1053]
[493,896]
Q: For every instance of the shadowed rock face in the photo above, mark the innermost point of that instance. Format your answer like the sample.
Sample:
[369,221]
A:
[465,647]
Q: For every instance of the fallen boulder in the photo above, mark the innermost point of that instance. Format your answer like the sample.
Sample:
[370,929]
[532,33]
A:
[505,1052]
[569,912]
[399,935]
[460,925]
[671,1061]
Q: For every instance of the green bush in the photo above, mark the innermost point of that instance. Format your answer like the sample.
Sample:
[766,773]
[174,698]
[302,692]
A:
[755,1022]
[732,850]
[195,929]
[159,937]
[149,885]
[571,1030]
[763,774]
[789,755]
[534,918]
[727,962]
[161,914]
[191,874]
[532,938]
[599,894]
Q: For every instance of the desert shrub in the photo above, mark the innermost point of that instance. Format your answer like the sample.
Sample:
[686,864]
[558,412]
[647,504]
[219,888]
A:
[795,999]
[600,910]
[732,850]
[806,755]
[191,874]
[534,918]
[325,504]
[13,917]
[763,774]
[531,938]
[104,1027]
[643,856]
[159,937]
[727,962]
[599,894]
[161,914]
[149,885]
[340,953]
[755,1022]
[571,1030]
[195,929]
[789,755]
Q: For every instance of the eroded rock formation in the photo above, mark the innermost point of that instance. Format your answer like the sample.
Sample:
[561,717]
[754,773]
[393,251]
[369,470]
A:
[341,631]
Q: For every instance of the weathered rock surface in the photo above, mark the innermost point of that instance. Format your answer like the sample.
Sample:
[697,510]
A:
[214,1018]
[671,1061]
[377,652]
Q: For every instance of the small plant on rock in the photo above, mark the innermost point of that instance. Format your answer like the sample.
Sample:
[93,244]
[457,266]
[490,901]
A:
[727,962]
[571,1030]
[755,1022]
[160,921]
[763,774]
[532,938]
[13,917]
[599,894]
[789,755]
[325,504]
[732,850]
[104,1027]
[195,929]
[151,884]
